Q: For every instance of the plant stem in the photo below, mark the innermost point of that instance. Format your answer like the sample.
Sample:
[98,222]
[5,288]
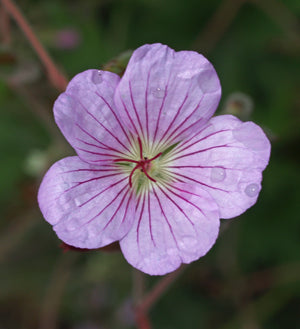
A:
[144,303]
[217,25]
[58,80]
[5,26]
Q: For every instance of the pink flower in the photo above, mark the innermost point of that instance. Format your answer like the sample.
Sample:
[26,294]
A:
[154,170]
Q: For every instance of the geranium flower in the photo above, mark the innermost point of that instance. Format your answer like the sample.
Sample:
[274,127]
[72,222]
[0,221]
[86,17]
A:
[153,169]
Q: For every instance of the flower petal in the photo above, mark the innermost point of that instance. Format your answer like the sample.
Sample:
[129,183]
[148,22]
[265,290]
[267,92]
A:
[173,225]
[86,116]
[166,95]
[226,159]
[88,206]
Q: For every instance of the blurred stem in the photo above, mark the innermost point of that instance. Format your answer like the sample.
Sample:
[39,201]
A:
[280,14]
[40,111]
[279,291]
[58,80]
[147,301]
[14,234]
[217,25]
[5,26]
[138,288]
[50,307]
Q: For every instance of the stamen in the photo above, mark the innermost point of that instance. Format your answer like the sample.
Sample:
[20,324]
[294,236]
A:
[131,174]
[141,148]
[139,164]
[145,172]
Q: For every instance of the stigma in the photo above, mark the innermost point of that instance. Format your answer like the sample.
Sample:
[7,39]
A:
[144,164]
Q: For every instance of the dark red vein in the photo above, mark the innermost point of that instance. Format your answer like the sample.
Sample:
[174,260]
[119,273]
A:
[104,190]
[115,115]
[168,223]
[149,217]
[204,167]
[201,183]
[175,117]
[146,105]
[88,170]
[199,151]
[139,222]
[127,205]
[180,209]
[179,150]
[107,206]
[87,181]
[188,201]
[96,153]
[134,108]
[160,110]
[184,121]
[93,179]
[116,211]
[129,117]
[97,140]
[105,128]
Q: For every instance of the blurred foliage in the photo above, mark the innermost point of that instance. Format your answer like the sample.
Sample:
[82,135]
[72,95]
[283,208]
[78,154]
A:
[251,278]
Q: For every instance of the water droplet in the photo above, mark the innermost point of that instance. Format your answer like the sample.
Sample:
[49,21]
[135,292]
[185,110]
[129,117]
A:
[217,174]
[97,77]
[252,190]
[158,92]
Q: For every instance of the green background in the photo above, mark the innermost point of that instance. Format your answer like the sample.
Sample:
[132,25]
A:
[251,277]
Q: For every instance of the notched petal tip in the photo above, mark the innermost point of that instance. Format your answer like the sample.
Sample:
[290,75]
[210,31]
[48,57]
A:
[226,159]
[89,207]
[174,225]
[166,95]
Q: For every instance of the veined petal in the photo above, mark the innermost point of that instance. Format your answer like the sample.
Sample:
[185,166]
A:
[166,95]
[88,206]
[173,225]
[86,115]
[226,159]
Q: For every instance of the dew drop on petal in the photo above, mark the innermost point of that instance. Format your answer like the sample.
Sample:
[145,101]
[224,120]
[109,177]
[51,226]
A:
[97,77]
[252,190]
[217,174]
[158,92]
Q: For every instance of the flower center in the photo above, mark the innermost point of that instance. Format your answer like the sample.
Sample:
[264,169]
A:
[144,164]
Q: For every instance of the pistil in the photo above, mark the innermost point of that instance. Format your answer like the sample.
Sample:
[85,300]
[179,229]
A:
[143,163]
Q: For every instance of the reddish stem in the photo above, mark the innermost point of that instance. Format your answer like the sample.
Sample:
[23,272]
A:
[142,321]
[58,80]
[159,289]
[5,26]
[144,306]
